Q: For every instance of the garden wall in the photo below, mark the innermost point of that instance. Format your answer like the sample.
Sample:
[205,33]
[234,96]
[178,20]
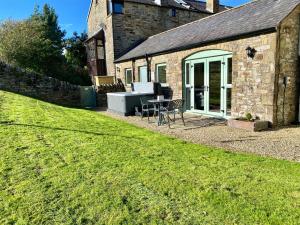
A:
[38,86]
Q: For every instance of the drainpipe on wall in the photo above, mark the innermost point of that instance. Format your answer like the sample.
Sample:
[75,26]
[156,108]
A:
[298,80]
[148,63]
[276,84]
[133,70]
[116,71]
[299,110]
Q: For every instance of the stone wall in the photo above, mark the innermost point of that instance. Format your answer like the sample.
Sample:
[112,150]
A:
[139,21]
[253,79]
[288,66]
[38,86]
[97,19]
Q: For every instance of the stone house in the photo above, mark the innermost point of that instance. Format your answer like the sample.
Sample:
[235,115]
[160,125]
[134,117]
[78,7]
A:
[116,26]
[243,60]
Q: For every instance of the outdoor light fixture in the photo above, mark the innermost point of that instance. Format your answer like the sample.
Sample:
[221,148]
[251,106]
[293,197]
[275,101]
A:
[250,52]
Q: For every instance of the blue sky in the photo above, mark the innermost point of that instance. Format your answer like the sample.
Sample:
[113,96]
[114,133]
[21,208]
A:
[72,13]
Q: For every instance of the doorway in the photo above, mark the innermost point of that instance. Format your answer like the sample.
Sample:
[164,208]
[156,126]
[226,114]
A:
[208,83]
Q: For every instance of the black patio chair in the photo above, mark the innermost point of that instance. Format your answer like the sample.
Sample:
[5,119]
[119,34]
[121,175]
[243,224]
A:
[147,107]
[174,107]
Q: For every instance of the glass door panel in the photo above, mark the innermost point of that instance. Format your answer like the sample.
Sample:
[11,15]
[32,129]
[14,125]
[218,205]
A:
[187,86]
[228,102]
[143,74]
[215,71]
[199,86]
[208,85]
[228,86]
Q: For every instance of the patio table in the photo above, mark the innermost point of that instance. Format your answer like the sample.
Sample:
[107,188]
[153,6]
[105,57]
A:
[159,104]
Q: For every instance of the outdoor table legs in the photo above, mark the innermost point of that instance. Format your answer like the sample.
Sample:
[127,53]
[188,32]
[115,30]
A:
[160,118]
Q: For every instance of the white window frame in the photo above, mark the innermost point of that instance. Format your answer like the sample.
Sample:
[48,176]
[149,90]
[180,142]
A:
[128,69]
[156,72]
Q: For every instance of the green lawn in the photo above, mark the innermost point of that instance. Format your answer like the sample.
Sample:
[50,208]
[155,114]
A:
[70,166]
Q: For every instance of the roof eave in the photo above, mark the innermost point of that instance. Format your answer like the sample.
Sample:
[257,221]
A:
[201,44]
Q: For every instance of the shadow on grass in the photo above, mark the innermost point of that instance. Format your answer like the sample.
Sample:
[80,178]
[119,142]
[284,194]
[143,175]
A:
[74,105]
[12,123]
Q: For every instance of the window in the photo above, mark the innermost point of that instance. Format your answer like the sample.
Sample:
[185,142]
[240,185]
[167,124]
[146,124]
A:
[161,73]
[115,7]
[128,76]
[96,1]
[229,71]
[173,12]
[118,7]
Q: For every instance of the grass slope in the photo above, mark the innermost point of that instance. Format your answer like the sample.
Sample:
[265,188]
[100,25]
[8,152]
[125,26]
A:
[70,166]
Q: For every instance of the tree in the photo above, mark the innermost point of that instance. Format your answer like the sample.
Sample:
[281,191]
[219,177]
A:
[53,60]
[37,44]
[76,58]
[75,49]
[23,44]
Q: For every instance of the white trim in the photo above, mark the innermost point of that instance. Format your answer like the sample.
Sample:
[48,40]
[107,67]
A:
[208,54]
[208,57]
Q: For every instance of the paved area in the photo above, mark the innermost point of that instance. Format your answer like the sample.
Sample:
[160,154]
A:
[281,143]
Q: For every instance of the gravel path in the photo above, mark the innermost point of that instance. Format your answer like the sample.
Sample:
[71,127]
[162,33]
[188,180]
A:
[281,143]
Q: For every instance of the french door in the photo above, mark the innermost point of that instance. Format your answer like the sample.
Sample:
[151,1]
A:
[209,85]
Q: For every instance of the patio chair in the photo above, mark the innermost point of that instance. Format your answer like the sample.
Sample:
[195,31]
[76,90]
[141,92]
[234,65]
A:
[174,107]
[146,107]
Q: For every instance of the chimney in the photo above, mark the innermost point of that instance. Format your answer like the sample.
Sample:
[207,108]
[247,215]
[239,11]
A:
[212,6]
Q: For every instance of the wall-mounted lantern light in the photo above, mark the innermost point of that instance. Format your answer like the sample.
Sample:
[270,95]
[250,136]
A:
[251,52]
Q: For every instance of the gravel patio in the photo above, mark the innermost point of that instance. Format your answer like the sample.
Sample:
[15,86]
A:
[281,143]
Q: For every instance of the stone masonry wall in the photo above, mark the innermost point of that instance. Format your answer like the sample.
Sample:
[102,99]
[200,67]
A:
[139,21]
[253,79]
[288,66]
[97,19]
[38,86]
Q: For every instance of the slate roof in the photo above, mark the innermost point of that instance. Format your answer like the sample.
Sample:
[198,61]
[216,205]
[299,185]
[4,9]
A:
[254,17]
